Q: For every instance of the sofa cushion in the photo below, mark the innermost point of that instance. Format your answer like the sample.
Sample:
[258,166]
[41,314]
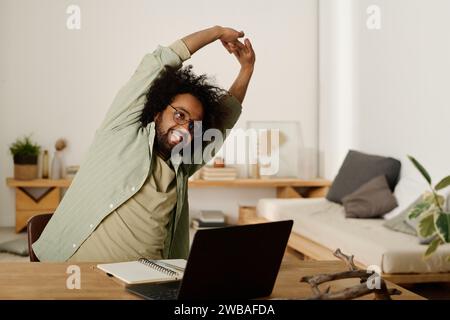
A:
[398,223]
[420,210]
[407,190]
[357,169]
[372,200]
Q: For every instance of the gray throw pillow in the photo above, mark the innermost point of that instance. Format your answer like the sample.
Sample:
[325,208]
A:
[372,200]
[357,169]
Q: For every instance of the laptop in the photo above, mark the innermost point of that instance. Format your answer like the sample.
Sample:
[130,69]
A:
[237,262]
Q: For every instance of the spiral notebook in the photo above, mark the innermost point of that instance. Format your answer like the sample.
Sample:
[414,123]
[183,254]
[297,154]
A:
[145,270]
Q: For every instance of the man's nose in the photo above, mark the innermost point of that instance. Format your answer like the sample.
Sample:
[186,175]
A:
[184,127]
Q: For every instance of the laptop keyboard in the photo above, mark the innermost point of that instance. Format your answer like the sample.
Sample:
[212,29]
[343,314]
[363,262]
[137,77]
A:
[170,294]
[162,291]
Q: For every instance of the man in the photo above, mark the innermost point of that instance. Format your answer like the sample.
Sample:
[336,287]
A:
[129,198]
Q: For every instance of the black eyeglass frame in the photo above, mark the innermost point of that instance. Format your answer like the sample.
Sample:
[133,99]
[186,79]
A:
[191,126]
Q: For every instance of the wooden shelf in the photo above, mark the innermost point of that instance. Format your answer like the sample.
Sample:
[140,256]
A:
[38,183]
[237,183]
[26,206]
[260,183]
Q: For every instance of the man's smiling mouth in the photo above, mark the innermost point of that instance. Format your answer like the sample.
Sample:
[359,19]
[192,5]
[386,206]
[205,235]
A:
[175,136]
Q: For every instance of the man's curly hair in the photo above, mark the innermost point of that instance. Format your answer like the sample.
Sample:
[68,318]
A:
[172,82]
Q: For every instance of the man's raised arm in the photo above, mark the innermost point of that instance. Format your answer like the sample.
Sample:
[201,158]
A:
[199,39]
[246,57]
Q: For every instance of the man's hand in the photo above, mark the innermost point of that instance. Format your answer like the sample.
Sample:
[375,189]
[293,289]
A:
[229,36]
[230,40]
[244,53]
[199,39]
[246,57]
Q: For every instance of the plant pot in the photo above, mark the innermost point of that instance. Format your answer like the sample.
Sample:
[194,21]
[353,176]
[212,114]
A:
[25,171]
[25,167]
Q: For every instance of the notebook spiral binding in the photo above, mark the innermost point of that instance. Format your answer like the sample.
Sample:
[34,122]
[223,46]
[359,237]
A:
[158,267]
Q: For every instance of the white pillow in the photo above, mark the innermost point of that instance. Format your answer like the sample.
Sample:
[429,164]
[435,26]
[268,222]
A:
[407,191]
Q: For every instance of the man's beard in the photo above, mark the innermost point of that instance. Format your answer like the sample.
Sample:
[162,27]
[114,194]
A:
[163,146]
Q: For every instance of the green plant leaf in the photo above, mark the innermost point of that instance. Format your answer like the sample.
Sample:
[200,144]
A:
[432,247]
[24,147]
[426,226]
[444,183]
[433,199]
[442,223]
[421,169]
[418,209]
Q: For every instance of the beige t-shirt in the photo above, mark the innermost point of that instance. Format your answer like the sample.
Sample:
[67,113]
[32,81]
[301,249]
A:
[139,227]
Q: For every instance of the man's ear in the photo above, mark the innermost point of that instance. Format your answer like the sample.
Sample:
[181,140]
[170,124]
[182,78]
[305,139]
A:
[157,116]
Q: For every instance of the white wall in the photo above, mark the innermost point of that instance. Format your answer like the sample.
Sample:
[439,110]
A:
[398,101]
[336,83]
[59,83]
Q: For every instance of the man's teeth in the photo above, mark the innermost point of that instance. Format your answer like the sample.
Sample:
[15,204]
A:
[177,133]
[176,136]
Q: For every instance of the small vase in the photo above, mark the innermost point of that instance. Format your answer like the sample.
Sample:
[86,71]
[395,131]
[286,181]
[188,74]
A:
[45,165]
[56,166]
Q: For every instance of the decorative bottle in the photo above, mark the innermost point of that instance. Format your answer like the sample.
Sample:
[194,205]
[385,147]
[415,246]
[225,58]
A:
[56,166]
[45,165]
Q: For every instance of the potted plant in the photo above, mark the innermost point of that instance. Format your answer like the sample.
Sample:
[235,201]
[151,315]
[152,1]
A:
[434,220]
[25,154]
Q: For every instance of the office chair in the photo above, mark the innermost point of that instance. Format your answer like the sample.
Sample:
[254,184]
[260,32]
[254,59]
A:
[35,226]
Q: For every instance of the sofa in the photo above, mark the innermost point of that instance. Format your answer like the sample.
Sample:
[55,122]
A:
[321,226]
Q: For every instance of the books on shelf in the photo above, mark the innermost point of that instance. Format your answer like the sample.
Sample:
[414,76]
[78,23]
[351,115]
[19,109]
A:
[209,219]
[71,171]
[212,216]
[196,224]
[219,174]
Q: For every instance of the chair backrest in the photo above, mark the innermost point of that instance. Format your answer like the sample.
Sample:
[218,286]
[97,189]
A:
[35,226]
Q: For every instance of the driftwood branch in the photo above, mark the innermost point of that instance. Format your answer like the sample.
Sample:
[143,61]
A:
[347,259]
[381,293]
[355,292]
[321,278]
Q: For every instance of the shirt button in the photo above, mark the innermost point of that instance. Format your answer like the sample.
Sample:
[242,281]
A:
[74,245]
[133,189]
[91,226]
[111,206]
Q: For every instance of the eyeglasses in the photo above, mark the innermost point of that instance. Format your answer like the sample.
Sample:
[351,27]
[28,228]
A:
[181,117]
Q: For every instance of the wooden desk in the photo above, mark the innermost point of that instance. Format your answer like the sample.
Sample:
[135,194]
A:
[26,206]
[23,280]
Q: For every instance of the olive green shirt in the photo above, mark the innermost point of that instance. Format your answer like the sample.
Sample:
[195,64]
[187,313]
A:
[139,227]
[117,165]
